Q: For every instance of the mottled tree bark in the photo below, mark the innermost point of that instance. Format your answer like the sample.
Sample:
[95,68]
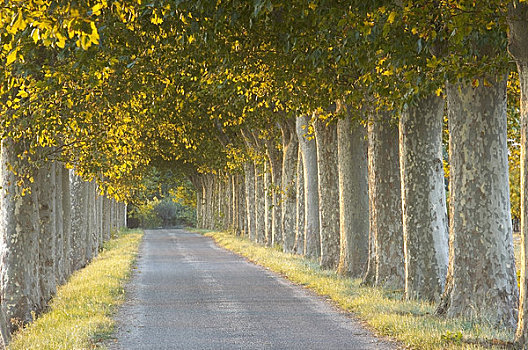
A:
[113,215]
[249,174]
[326,142]
[260,204]
[242,211]
[312,245]
[234,204]
[369,278]
[299,213]
[123,215]
[5,336]
[91,239]
[481,282]
[79,221]
[199,207]
[353,197]
[46,191]
[19,246]
[216,203]
[228,204]
[100,216]
[208,199]
[107,225]
[385,199]
[268,204]
[423,199]
[223,208]
[275,162]
[203,200]
[67,221]
[289,168]
[60,272]
[518,48]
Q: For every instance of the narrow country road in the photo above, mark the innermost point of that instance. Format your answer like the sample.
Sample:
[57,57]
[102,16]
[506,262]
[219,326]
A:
[189,294]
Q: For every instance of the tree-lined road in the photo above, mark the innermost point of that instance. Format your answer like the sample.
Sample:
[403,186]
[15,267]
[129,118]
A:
[189,294]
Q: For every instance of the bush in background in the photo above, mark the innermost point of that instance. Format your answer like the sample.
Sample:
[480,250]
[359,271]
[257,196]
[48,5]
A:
[165,212]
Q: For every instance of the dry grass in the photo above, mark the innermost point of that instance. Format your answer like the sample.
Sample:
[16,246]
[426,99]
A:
[79,316]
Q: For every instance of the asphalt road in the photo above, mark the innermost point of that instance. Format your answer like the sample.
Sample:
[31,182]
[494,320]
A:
[187,293]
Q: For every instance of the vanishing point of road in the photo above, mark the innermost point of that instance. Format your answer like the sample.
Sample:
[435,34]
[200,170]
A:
[187,293]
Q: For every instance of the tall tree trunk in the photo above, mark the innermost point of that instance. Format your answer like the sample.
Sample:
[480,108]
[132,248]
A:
[91,249]
[234,204]
[222,201]
[46,191]
[199,191]
[481,282]
[268,203]
[242,211]
[518,48]
[19,246]
[249,173]
[228,204]
[423,199]
[326,142]
[113,216]
[219,214]
[5,336]
[216,202]
[79,223]
[289,167]
[353,197]
[203,196]
[369,278]
[275,162]
[100,219]
[60,272]
[123,215]
[299,213]
[260,204]
[107,225]
[312,239]
[386,210]
[67,221]
[209,199]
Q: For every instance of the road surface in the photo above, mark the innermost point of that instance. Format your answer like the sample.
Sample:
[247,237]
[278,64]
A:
[187,293]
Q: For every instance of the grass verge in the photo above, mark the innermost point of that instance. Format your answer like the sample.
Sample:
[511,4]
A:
[410,322]
[79,316]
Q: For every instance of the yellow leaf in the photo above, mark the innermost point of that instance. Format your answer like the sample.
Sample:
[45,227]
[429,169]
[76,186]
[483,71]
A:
[183,19]
[35,35]
[11,57]
[61,40]
[392,17]
[96,9]
[23,93]
[156,19]
[19,24]
[94,36]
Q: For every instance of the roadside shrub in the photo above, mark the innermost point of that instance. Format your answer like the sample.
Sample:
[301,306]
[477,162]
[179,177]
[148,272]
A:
[165,212]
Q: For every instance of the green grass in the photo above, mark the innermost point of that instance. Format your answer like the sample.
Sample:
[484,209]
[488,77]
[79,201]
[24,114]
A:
[80,315]
[412,323]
